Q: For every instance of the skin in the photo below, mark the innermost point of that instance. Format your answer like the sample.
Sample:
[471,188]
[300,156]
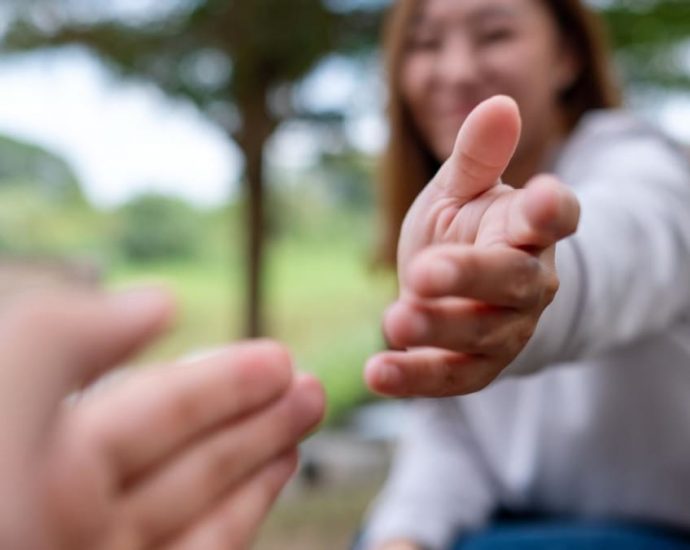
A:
[183,457]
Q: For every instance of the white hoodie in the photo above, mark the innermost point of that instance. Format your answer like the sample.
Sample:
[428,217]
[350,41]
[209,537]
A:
[600,425]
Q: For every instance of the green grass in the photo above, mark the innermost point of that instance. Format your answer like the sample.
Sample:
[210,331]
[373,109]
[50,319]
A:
[322,301]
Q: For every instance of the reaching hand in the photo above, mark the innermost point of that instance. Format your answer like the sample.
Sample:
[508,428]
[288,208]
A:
[184,457]
[475,263]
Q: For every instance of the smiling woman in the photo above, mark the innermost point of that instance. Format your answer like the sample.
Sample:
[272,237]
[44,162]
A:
[587,417]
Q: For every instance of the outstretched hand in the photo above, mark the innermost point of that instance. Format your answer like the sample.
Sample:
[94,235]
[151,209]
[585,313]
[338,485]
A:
[177,458]
[476,265]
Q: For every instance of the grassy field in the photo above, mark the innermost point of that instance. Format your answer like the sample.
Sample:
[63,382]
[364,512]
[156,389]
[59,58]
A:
[322,300]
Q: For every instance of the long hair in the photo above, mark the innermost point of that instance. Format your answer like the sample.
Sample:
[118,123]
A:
[408,163]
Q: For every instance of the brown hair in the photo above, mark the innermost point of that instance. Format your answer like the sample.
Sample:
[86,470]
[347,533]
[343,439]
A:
[408,163]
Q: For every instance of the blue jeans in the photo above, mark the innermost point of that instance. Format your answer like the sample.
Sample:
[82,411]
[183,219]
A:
[565,535]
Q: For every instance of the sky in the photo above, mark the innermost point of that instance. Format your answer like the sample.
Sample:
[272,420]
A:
[121,139]
[126,138]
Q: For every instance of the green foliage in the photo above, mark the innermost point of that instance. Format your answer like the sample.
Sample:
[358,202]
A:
[651,39]
[332,199]
[32,223]
[155,227]
[23,164]
[42,209]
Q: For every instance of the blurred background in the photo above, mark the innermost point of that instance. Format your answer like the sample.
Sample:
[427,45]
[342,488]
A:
[227,148]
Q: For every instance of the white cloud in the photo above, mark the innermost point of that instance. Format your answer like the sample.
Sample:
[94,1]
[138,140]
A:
[121,138]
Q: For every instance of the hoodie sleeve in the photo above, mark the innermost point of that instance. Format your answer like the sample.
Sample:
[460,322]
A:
[625,274]
[439,484]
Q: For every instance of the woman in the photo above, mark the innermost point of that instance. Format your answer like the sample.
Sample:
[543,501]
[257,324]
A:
[599,429]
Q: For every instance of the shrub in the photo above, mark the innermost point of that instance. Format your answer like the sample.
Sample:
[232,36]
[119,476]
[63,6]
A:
[155,227]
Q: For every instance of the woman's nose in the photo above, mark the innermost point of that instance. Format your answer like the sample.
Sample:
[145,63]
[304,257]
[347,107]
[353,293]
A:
[456,63]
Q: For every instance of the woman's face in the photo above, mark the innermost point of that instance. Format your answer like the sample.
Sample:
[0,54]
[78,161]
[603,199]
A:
[460,52]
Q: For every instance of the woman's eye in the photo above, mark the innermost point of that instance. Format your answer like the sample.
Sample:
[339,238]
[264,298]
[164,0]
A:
[423,43]
[494,36]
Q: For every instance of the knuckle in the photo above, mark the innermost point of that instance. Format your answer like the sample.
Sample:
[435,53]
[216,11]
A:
[487,341]
[485,332]
[520,291]
[518,339]
[524,334]
[501,334]
[219,462]
[521,286]
[184,410]
[450,378]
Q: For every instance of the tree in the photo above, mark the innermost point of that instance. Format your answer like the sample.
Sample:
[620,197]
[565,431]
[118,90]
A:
[235,59]
[238,59]
[27,165]
[651,40]
[155,227]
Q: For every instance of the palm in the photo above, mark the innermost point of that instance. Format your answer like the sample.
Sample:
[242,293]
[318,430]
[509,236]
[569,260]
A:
[439,219]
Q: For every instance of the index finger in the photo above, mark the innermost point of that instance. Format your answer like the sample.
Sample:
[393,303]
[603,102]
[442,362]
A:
[541,214]
[484,146]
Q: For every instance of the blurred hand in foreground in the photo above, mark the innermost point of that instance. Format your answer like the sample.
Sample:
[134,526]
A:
[189,456]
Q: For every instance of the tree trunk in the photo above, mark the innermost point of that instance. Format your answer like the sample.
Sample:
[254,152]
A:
[255,242]
[257,126]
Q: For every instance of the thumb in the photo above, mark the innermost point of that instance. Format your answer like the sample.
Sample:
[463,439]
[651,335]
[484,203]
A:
[484,146]
[53,344]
